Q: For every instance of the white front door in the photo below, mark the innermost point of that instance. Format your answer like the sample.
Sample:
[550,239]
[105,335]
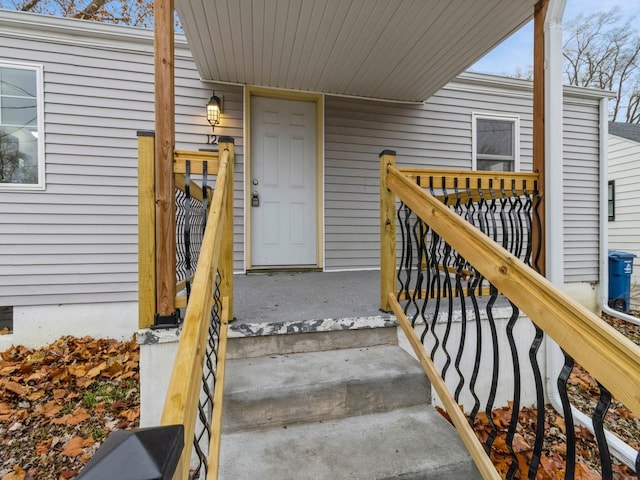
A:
[282,183]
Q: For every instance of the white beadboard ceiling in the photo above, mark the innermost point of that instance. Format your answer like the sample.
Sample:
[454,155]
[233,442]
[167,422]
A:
[402,50]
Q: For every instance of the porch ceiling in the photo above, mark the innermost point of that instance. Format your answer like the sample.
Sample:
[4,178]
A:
[390,49]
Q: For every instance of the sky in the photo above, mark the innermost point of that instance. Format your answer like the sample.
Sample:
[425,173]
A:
[517,50]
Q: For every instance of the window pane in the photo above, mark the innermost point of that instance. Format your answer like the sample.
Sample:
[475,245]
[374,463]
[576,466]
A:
[18,156]
[495,165]
[18,126]
[18,111]
[494,137]
[611,201]
[18,82]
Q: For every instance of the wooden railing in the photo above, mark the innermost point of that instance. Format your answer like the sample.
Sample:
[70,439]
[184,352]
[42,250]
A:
[442,247]
[192,172]
[195,390]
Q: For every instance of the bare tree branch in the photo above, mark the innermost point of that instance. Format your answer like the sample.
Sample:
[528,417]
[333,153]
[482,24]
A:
[601,51]
[91,10]
[29,6]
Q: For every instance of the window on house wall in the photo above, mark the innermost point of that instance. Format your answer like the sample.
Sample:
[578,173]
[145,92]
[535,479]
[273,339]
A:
[611,200]
[21,127]
[495,143]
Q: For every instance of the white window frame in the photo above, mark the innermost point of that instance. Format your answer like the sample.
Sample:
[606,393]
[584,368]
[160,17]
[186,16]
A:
[41,185]
[475,116]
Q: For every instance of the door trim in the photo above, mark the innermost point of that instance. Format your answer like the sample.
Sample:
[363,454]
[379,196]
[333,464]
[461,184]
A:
[318,99]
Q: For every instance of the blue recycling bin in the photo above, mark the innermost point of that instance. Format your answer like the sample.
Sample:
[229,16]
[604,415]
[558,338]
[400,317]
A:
[620,269]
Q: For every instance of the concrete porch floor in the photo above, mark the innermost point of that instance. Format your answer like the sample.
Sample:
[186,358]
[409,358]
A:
[280,297]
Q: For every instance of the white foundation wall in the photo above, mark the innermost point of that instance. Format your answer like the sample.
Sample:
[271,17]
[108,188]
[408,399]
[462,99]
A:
[32,324]
[585,293]
[157,354]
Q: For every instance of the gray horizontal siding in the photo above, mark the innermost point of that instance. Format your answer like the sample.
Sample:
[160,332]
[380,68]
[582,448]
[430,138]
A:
[581,191]
[434,135]
[76,242]
[438,135]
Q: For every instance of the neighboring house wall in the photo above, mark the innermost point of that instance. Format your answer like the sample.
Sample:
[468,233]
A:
[75,243]
[624,169]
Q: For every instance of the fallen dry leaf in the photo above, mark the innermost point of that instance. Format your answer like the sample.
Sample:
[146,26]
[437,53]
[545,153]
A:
[43,447]
[73,447]
[16,388]
[17,474]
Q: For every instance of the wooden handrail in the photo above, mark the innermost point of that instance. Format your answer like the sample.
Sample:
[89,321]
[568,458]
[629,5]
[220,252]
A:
[181,402]
[608,355]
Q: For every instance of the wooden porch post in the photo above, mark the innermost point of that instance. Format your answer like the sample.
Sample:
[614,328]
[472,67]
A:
[387,232]
[146,230]
[226,253]
[164,147]
[540,13]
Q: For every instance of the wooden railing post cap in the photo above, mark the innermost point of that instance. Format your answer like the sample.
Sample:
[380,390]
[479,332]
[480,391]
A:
[146,133]
[387,152]
[226,140]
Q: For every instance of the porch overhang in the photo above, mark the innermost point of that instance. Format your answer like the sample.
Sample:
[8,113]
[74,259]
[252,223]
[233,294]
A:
[400,50]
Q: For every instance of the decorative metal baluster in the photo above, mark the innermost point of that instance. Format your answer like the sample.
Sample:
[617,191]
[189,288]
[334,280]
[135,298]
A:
[518,227]
[598,428]
[570,463]
[187,228]
[535,260]
[448,293]
[180,251]
[537,378]
[205,195]
[491,212]
[483,211]
[475,283]
[515,409]
[418,234]
[460,263]
[528,209]
[435,287]
[495,367]
[504,203]
[405,257]
[424,254]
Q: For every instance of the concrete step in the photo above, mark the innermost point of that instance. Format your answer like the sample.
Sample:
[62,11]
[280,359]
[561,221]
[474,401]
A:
[261,339]
[408,443]
[281,390]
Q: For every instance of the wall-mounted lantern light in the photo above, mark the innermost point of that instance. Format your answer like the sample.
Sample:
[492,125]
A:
[214,109]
